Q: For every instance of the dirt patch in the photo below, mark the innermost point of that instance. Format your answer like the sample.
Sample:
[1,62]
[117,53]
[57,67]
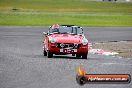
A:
[124,48]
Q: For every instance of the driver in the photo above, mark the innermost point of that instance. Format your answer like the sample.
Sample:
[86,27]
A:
[55,28]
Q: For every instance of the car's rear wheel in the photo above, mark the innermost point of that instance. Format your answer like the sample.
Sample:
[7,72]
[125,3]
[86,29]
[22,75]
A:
[50,55]
[84,56]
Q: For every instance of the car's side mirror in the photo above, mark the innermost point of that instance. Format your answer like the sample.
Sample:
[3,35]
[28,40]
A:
[44,33]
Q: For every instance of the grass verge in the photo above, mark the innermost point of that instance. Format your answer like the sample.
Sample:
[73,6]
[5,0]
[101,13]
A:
[42,19]
[77,12]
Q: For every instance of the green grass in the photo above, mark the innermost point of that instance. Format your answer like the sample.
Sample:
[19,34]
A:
[42,19]
[77,12]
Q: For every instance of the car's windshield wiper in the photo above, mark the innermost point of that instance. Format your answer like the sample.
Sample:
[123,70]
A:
[65,33]
[73,33]
[55,32]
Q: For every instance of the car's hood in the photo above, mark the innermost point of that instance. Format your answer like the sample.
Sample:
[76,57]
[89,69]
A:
[67,38]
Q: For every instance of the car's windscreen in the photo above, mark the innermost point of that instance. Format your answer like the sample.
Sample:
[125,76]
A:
[66,30]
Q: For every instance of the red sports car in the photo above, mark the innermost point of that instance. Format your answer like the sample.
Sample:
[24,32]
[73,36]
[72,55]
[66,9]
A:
[65,39]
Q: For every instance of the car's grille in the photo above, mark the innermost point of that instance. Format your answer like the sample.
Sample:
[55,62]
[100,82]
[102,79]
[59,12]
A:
[68,45]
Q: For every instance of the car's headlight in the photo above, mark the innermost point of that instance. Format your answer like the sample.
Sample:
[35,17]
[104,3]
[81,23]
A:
[84,41]
[52,40]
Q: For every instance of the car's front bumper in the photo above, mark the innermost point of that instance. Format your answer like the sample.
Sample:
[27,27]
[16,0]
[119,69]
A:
[83,49]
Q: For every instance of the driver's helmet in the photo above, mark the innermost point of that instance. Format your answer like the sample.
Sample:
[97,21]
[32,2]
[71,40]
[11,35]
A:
[55,28]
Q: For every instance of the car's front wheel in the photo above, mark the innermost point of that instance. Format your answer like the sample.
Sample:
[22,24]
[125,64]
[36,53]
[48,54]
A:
[45,53]
[78,56]
[84,56]
[50,55]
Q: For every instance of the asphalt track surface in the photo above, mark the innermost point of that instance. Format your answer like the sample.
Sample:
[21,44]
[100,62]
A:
[22,64]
